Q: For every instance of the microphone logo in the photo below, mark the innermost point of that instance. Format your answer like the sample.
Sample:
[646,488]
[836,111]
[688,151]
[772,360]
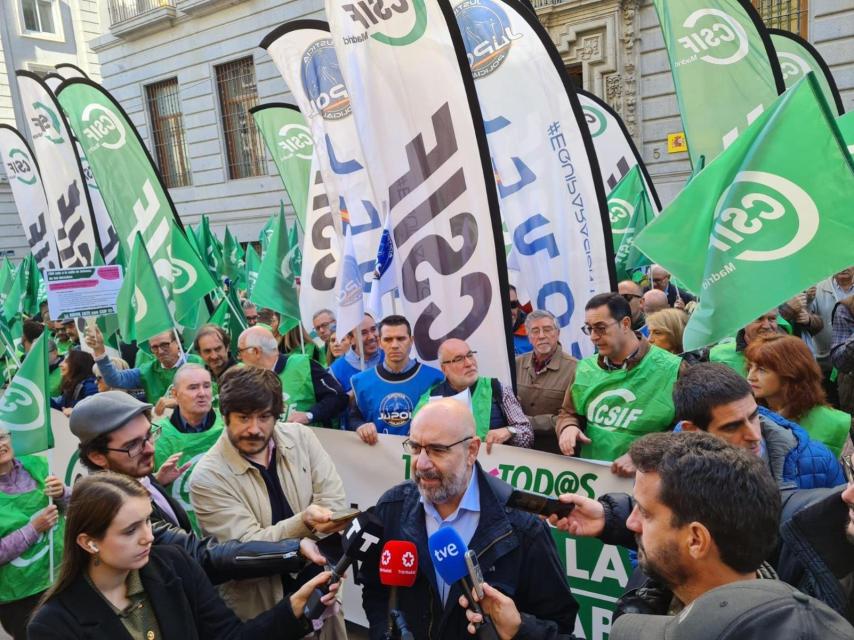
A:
[408,559]
[386,558]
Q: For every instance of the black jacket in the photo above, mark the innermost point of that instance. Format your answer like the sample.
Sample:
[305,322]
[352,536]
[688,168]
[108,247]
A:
[329,396]
[815,554]
[186,605]
[516,553]
[224,561]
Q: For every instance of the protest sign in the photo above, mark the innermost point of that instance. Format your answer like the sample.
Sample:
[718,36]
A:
[83,292]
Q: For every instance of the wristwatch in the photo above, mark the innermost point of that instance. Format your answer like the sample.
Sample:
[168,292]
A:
[513,430]
[310,416]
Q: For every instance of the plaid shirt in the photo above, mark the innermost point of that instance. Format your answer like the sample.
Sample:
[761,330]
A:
[516,418]
[842,346]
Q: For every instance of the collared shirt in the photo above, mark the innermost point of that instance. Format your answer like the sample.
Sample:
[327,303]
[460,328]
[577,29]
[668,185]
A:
[138,618]
[178,421]
[464,521]
[159,499]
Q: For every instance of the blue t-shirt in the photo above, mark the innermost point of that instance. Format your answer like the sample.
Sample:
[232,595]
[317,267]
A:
[388,399]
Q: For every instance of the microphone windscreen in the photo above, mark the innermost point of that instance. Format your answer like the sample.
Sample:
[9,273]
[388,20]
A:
[363,535]
[399,563]
[447,550]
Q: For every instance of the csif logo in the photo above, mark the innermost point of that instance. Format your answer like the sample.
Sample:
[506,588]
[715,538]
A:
[180,274]
[105,128]
[612,409]
[620,212]
[487,35]
[322,81]
[714,36]
[596,121]
[754,199]
[376,13]
[22,406]
[793,67]
[295,142]
[48,124]
[20,167]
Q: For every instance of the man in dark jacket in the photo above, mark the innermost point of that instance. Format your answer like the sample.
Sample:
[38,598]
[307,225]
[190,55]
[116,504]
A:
[515,549]
[116,434]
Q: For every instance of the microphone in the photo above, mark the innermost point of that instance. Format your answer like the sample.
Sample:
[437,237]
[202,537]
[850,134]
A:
[398,568]
[448,553]
[361,538]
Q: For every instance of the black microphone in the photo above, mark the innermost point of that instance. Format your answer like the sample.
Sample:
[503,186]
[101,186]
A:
[364,534]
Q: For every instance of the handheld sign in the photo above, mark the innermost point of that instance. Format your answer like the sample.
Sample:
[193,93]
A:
[82,292]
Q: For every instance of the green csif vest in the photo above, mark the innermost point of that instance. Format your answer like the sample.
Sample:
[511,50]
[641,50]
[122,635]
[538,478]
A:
[623,405]
[828,425]
[29,573]
[481,404]
[193,446]
[156,380]
[297,387]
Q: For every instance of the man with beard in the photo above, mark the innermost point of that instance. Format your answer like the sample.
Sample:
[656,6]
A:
[265,479]
[450,489]
[704,517]
[732,353]
[212,344]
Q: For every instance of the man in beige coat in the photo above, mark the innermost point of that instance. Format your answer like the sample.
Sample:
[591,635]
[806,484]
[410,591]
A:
[264,480]
[542,377]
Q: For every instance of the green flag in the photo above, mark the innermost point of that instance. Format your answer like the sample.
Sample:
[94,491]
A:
[846,126]
[723,69]
[7,277]
[797,58]
[253,266]
[234,267]
[629,205]
[22,296]
[267,230]
[25,407]
[275,288]
[288,139]
[296,259]
[191,281]
[210,249]
[143,311]
[765,220]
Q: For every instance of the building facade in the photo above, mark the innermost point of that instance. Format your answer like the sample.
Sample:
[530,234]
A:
[36,35]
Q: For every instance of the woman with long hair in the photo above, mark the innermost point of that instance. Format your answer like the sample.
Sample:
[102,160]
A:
[336,348]
[786,378]
[114,584]
[78,381]
[666,328]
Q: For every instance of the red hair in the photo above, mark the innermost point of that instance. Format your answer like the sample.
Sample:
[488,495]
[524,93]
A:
[795,365]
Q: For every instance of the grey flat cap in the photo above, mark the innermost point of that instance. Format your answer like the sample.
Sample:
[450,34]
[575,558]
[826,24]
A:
[103,413]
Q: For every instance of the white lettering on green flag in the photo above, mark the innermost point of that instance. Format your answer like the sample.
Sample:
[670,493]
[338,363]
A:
[630,211]
[797,58]
[765,220]
[24,408]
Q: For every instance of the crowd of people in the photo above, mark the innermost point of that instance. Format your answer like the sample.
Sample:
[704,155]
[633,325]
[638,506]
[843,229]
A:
[742,514]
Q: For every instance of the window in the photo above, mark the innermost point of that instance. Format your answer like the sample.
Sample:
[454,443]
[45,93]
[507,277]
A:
[38,15]
[576,74]
[790,15]
[237,94]
[167,125]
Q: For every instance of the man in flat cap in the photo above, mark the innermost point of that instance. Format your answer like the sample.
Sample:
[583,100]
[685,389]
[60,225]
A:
[116,434]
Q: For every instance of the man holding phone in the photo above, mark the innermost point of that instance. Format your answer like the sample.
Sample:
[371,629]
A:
[450,489]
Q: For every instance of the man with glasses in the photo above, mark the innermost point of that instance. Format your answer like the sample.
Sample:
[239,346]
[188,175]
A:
[153,377]
[498,416]
[250,312]
[676,297]
[633,293]
[323,322]
[619,394]
[311,393]
[449,488]
[542,377]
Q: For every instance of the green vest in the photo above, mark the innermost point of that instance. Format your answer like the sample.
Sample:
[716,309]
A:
[829,426]
[481,404]
[725,353]
[156,380]
[63,347]
[193,446]
[623,405]
[297,387]
[29,573]
[54,379]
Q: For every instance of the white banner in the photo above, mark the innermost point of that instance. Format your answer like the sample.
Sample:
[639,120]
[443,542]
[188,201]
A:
[106,233]
[305,56]
[550,192]
[423,141]
[615,150]
[27,190]
[68,203]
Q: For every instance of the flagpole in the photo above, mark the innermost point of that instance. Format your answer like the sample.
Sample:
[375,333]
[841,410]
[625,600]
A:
[358,332]
[301,339]
[394,301]
[50,501]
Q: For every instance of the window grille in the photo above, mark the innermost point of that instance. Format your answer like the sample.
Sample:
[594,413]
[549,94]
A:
[167,124]
[789,15]
[237,94]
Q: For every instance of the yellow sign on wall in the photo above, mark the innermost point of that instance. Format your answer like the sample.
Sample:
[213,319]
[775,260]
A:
[676,142]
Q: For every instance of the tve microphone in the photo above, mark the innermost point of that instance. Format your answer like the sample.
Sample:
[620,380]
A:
[448,552]
[361,538]
[398,568]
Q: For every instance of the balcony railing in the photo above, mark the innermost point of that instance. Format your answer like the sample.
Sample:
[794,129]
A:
[125,10]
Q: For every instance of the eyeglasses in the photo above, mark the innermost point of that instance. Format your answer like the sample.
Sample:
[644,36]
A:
[137,446]
[242,349]
[546,331]
[847,467]
[514,304]
[598,329]
[434,451]
[628,297]
[5,437]
[323,325]
[161,346]
[460,359]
